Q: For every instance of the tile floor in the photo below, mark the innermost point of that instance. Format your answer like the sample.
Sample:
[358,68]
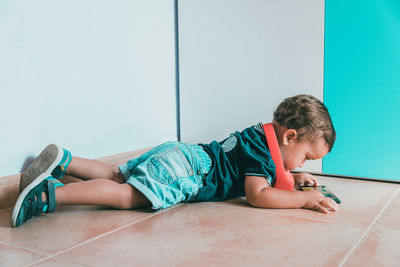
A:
[365,231]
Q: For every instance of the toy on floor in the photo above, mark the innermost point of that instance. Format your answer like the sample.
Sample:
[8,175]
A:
[322,189]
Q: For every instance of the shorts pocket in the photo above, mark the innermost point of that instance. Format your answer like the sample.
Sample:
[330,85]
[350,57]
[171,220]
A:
[168,166]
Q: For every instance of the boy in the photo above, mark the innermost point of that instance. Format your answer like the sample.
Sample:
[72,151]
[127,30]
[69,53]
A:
[175,172]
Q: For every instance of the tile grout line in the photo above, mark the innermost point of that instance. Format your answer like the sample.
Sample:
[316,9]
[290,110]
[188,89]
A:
[369,229]
[100,236]
[284,214]
[23,248]
[8,184]
[64,262]
[5,209]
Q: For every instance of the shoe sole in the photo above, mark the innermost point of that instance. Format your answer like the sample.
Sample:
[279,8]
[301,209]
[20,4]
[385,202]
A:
[36,168]
[23,194]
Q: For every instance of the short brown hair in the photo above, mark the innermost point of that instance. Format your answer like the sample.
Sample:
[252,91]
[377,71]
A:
[308,116]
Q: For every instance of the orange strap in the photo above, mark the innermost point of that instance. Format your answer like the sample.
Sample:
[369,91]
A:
[284,179]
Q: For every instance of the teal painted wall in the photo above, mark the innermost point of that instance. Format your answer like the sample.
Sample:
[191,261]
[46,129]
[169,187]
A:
[362,86]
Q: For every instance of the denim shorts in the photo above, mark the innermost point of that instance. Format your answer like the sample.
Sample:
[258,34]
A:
[168,174]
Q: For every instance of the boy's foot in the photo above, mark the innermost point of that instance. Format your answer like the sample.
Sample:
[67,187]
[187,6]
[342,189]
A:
[53,160]
[31,203]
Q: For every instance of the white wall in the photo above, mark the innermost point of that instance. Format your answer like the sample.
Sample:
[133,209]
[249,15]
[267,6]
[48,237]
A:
[240,58]
[97,77]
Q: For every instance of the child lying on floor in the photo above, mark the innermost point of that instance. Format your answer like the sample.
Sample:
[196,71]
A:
[243,164]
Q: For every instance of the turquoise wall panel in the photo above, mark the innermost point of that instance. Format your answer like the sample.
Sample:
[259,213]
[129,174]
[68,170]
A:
[362,86]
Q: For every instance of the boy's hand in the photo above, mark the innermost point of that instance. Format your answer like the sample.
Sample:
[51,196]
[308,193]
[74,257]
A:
[317,201]
[304,179]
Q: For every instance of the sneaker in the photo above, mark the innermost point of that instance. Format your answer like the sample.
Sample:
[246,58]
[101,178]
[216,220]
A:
[30,203]
[53,160]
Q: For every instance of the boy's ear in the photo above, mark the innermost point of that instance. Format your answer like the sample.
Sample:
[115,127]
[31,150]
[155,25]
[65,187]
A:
[290,135]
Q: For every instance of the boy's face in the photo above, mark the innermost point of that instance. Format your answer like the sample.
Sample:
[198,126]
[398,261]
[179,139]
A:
[295,153]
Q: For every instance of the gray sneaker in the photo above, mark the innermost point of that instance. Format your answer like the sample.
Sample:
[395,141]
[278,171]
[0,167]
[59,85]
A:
[53,160]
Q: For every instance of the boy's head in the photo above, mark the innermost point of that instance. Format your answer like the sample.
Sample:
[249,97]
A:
[304,130]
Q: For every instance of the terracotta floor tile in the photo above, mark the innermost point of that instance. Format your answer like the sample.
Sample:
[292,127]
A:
[67,227]
[12,256]
[390,220]
[8,195]
[361,201]
[9,190]
[55,263]
[214,234]
[204,234]
[381,246]
[11,179]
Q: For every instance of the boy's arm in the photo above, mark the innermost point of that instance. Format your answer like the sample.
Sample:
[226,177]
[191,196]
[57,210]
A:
[260,194]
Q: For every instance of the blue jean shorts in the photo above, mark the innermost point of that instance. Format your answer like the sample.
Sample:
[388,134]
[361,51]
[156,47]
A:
[168,174]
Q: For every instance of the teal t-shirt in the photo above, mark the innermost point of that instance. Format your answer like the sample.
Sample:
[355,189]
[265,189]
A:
[242,154]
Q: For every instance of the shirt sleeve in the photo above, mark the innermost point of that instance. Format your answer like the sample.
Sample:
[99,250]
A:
[259,167]
[257,160]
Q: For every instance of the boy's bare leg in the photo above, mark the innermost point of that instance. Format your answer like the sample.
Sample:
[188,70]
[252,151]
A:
[87,169]
[101,192]
[67,179]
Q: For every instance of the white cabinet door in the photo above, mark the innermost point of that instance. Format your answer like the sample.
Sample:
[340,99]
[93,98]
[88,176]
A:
[240,58]
[97,77]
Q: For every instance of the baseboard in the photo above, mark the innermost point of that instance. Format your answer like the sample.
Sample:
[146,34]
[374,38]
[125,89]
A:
[353,177]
